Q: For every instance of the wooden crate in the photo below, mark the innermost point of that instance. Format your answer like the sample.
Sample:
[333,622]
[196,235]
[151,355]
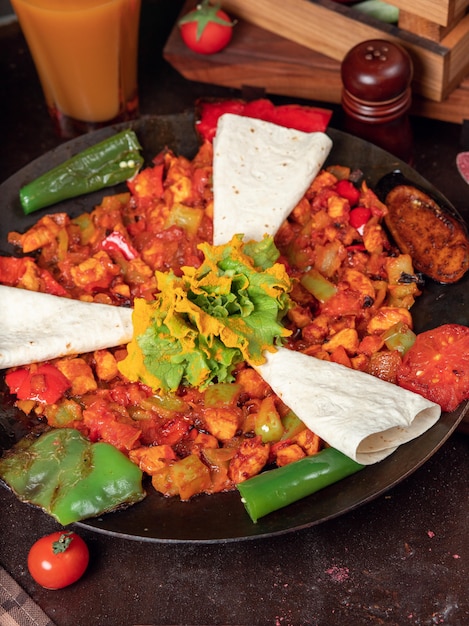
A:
[258,61]
[332,29]
[442,12]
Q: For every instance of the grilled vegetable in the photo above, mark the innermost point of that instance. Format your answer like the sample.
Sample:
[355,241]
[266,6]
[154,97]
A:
[108,163]
[69,477]
[305,118]
[279,487]
[435,239]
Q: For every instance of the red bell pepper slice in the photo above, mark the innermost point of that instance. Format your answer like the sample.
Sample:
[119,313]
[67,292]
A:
[50,285]
[358,217]
[346,189]
[44,383]
[116,242]
[304,118]
[208,113]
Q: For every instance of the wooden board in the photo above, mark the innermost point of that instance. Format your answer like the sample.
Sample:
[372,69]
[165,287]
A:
[332,29]
[259,60]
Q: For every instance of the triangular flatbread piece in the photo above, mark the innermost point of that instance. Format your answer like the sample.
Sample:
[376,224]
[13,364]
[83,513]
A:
[37,326]
[260,173]
[364,417]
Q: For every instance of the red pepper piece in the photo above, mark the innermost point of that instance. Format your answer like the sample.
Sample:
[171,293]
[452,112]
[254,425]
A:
[115,242]
[12,269]
[43,384]
[16,379]
[358,217]
[260,110]
[209,113]
[304,118]
[347,190]
[50,285]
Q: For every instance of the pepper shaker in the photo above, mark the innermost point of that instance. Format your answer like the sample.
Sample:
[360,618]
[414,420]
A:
[376,95]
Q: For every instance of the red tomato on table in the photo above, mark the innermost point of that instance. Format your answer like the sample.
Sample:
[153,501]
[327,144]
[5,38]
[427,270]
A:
[437,366]
[206,29]
[58,560]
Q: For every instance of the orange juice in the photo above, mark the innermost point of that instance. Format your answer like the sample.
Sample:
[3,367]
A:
[85,52]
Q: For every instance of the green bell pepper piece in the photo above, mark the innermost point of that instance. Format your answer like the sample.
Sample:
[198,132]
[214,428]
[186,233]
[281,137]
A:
[399,337]
[107,163]
[277,488]
[69,477]
[321,288]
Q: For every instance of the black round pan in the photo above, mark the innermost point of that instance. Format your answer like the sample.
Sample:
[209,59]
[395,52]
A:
[221,517]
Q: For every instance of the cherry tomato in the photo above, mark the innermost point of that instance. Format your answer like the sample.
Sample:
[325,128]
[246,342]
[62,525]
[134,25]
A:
[206,29]
[58,560]
[437,366]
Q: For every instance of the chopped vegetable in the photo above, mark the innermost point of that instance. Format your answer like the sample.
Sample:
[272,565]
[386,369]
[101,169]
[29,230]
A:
[399,337]
[317,285]
[296,116]
[116,242]
[359,217]
[277,488]
[107,163]
[69,477]
[43,383]
[212,318]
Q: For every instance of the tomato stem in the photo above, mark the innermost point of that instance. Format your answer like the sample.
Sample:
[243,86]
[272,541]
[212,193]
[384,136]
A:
[204,14]
[63,542]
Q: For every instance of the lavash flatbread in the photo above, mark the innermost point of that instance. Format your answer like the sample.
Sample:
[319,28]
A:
[260,173]
[37,326]
[362,416]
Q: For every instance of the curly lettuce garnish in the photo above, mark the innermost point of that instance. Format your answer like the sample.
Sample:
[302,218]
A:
[205,322]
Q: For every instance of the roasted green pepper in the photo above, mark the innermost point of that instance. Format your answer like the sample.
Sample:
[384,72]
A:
[107,163]
[282,486]
[69,477]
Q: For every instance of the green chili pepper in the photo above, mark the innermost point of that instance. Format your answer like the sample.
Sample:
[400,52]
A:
[107,163]
[282,486]
[69,477]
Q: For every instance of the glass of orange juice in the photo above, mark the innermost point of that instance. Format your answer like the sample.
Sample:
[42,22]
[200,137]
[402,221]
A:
[85,52]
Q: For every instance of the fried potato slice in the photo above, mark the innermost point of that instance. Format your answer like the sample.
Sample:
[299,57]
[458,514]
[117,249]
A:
[436,240]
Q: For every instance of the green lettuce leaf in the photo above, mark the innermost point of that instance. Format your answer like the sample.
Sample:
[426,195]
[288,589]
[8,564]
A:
[205,322]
